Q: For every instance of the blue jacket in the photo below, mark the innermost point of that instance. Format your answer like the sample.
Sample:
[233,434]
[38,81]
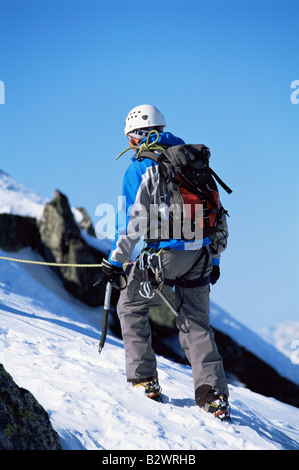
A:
[141,188]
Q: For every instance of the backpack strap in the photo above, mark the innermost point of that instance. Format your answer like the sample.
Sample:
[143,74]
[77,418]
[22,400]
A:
[149,154]
[219,180]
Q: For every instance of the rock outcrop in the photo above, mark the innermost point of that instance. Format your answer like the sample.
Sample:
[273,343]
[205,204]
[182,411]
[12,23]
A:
[24,424]
[61,242]
[57,237]
[17,232]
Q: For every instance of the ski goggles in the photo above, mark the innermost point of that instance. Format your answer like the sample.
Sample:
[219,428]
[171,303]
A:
[138,134]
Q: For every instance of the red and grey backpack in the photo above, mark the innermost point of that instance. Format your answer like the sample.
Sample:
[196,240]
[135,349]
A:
[191,183]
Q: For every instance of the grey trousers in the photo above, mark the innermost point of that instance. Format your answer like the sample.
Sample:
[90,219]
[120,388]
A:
[195,334]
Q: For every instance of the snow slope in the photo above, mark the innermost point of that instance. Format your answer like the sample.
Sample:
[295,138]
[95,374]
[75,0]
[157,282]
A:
[49,345]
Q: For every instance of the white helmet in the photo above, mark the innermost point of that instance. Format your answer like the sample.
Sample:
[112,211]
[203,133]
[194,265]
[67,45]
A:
[141,117]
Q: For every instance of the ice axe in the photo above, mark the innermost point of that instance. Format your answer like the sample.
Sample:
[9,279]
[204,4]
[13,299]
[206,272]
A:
[118,280]
[105,315]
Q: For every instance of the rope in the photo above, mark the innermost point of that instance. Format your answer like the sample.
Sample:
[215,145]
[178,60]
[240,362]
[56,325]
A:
[44,263]
[146,146]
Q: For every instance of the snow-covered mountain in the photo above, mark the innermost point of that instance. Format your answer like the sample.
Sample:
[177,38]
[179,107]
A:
[49,341]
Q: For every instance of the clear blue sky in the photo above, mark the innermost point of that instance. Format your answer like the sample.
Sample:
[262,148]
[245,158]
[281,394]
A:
[219,70]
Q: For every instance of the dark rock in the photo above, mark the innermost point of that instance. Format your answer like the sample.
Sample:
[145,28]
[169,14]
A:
[61,242]
[86,223]
[17,232]
[58,239]
[24,424]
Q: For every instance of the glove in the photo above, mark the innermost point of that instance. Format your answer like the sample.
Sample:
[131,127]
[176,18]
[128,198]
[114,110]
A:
[113,274]
[215,274]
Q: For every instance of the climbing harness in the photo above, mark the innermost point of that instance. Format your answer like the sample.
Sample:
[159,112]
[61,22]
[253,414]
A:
[152,277]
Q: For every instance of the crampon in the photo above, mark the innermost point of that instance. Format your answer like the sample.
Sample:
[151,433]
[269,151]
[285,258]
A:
[151,387]
[219,407]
